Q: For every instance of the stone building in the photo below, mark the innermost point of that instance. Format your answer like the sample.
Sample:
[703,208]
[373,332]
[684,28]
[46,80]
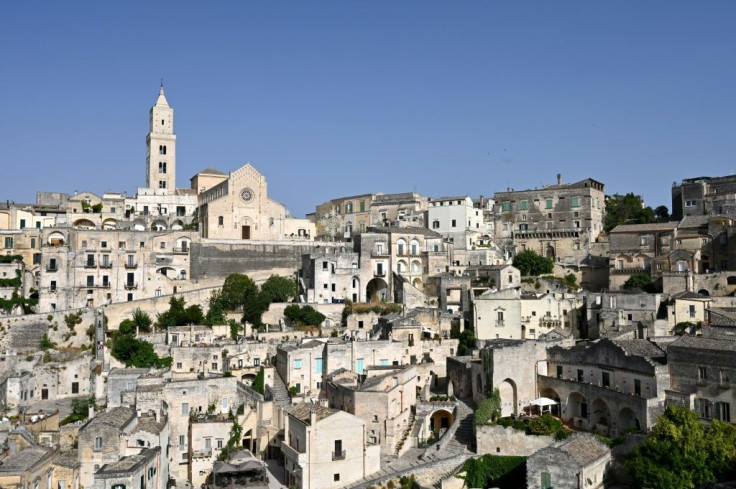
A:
[239,208]
[458,220]
[512,314]
[579,461]
[411,253]
[704,196]
[343,218]
[241,469]
[401,209]
[89,268]
[302,367]
[608,312]
[557,221]
[17,391]
[208,435]
[331,274]
[383,398]
[141,470]
[607,386]
[27,465]
[701,369]
[103,440]
[326,448]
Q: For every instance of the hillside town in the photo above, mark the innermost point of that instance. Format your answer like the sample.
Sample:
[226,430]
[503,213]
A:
[204,337]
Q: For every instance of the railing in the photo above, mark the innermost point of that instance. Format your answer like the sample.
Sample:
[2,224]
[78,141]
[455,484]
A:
[131,286]
[379,254]
[106,265]
[338,455]
[181,251]
[130,265]
[379,273]
[52,268]
[499,323]
[90,264]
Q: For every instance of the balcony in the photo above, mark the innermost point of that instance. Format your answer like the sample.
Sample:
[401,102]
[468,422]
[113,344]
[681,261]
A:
[52,268]
[550,323]
[131,265]
[131,286]
[500,323]
[90,264]
[181,250]
[379,273]
[629,271]
[106,265]
[338,455]
[379,254]
[52,290]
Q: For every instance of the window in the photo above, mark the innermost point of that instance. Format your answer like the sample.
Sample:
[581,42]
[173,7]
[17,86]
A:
[162,167]
[702,373]
[606,379]
[580,375]
[506,206]
[256,362]
[435,224]
[692,311]
[644,240]
[348,208]
[690,203]
[162,150]
[575,202]
[161,184]
[8,243]
[454,223]
[182,442]
[318,365]
[219,443]
[37,258]
[336,477]
[98,444]
[298,363]
[224,404]
[185,409]
[723,411]
[548,203]
[22,224]
[90,281]
[637,387]
[499,318]
[524,205]
[559,371]
[220,221]
[52,286]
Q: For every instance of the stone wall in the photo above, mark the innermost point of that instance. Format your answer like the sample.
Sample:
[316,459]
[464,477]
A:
[497,440]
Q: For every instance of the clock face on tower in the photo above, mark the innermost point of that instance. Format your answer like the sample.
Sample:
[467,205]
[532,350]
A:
[246,195]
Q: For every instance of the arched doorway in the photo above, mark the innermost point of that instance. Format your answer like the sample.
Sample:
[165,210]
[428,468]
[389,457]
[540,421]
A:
[576,407]
[109,224]
[600,418]
[84,224]
[627,420]
[704,292]
[440,422]
[417,282]
[377,290]
[550,253]
[509,405]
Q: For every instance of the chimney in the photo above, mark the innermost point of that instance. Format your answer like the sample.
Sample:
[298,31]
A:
[312,417]
[559,179]
[91,412]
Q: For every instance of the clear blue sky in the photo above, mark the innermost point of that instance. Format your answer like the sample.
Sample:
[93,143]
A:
[330,99]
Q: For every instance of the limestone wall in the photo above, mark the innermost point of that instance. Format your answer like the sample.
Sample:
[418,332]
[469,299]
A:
[497,440]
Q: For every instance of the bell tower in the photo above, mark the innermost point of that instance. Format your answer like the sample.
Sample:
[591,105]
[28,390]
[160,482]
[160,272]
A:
[161,148]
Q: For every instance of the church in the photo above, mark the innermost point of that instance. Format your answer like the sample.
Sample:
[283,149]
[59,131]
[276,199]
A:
[228,206]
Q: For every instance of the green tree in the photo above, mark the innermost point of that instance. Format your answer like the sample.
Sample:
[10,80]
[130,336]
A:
[179,315]
[641,281]
[489,410]
[142,320]
[662,213]
[626,209]
[530,263]
[46,342]
[254,308]
[467,342]
[216,310]
[134,352]
[237,290]
[311,317]
[279,289]
[258,382]
[682,453]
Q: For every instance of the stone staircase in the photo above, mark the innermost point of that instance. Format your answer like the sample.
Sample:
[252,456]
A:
[407,432]
[463,439]
[280,395]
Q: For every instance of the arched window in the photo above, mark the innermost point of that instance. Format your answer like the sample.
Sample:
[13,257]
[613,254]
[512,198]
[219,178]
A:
[220,221]
[414,247]
[162,167]
[161,184]
[349,229]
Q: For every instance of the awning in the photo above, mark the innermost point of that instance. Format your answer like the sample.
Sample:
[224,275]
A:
[543,401]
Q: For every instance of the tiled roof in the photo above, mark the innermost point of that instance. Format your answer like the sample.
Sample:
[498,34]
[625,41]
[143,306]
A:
[584,449]
[25,459]
[652,226]
[127,464]
[703,343]
[640,348]
[117,417]
[303,411]
[694,221]
[212,171]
